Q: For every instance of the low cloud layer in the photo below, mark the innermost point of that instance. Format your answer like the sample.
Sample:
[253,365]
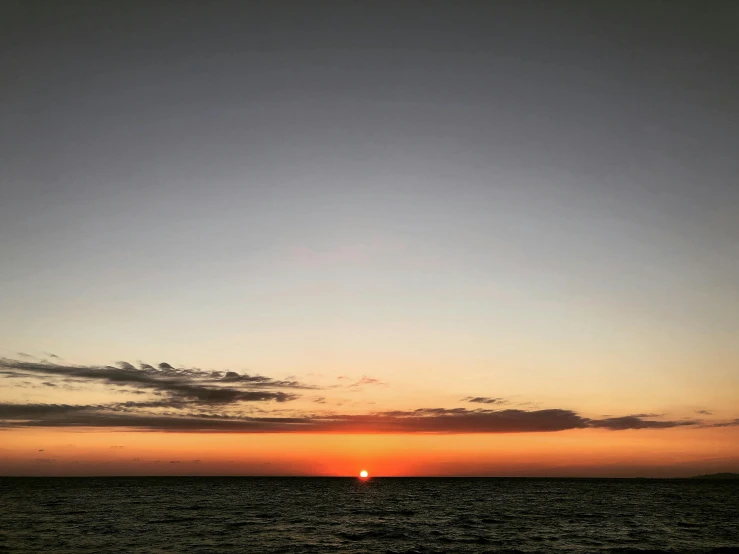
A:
[730,423]
[421,420]
[637,422]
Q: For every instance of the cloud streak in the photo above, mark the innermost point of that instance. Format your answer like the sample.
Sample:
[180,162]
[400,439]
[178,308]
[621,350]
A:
[730,423]
[178,384]
[422,420]
[365,381]
[637,422]
[483,400]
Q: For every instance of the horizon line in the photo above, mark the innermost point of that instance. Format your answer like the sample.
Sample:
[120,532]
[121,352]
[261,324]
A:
[354,477]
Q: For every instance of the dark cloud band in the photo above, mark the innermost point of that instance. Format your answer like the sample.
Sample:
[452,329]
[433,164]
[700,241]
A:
[179,384]
[423,420]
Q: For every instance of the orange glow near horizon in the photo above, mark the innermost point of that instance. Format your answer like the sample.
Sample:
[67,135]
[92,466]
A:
[584,452]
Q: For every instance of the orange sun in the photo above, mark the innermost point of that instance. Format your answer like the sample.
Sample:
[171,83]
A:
[363,474]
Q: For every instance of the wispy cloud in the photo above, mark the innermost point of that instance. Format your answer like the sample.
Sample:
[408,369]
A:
[366,381]
[177,384]
[730,423]
[41,411]
[484,400]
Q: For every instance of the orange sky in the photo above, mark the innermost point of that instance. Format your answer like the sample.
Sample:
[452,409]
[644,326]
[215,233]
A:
[580,452]
[64,418]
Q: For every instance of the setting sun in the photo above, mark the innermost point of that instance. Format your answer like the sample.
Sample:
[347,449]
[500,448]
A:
[363,474]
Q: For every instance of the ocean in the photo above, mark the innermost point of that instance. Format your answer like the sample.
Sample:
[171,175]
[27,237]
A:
[386,515]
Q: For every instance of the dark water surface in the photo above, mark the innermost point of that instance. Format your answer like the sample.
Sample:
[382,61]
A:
[203,514]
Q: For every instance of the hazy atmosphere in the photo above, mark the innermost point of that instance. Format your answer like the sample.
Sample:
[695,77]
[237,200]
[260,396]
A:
[417,238]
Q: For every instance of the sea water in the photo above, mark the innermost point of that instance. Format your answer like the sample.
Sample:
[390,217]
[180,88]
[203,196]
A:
[388,515]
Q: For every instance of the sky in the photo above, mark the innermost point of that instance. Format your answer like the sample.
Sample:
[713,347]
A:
[421,238]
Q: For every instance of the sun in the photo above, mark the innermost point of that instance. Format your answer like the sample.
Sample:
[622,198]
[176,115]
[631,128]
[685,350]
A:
[363,474]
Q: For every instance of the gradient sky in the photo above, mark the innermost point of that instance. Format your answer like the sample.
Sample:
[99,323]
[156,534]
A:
[426,238]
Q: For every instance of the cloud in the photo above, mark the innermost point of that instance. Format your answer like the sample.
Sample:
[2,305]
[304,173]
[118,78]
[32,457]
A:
[209,387]
[461,420]
[233,377]
[731,423]
[29,411]
[483,400]
[365,381]
[191,399]
[703,412]
[636,422]
[421,420]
